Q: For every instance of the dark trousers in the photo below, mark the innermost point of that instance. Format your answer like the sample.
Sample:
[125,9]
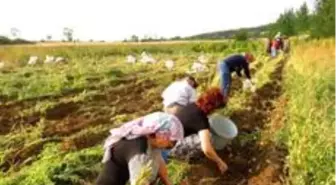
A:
[111,174]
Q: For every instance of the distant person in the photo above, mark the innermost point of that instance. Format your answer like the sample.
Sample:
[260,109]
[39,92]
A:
[136,146]
[234,63]
[268,46]
[277,44]
[179,93]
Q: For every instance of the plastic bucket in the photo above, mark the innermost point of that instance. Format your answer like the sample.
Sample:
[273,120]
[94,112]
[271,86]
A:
[223,130]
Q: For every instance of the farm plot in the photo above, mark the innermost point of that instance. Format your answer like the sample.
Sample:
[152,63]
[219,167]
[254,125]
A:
[54,118]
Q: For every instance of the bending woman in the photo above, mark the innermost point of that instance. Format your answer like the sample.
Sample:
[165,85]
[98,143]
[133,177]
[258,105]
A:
[136,146]
[234,63]
[194,118]
[223,131]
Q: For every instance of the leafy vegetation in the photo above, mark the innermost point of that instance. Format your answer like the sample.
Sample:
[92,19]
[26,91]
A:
[310,113]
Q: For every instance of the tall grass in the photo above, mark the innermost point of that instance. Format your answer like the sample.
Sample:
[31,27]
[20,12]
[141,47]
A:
[310,122]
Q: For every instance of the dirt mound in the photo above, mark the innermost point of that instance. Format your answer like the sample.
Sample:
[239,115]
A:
[61,110]
[10,119]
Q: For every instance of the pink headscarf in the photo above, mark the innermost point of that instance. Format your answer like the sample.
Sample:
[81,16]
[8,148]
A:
[160,123]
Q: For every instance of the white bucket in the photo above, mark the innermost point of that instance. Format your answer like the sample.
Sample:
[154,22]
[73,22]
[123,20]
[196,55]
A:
[223,130]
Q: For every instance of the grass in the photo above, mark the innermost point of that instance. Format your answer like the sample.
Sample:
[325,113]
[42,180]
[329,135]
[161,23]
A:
[310,116]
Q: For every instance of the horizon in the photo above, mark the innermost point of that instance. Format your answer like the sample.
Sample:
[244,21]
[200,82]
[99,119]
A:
[116,21]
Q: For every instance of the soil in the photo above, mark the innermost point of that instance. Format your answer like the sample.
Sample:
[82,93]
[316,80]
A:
[257,162]
[66,119]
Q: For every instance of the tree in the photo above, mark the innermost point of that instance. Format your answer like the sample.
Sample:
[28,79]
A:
[286,23]
[302,19]
[241,35]
[323,23]
[68,33]
[134,38]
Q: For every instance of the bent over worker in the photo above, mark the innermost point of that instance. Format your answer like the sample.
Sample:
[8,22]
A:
[234,63]
[136,146]
[179,93]
[194,119]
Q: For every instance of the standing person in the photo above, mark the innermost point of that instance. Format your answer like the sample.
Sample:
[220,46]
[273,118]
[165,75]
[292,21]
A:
[277,44]
[135,147]
[194,119]
[236,62]
[179,94]
[268,46]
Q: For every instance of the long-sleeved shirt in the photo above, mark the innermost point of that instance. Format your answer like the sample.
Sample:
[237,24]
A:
[237,63]
[179,92]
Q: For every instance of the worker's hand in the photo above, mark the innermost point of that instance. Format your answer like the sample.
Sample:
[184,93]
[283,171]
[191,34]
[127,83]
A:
[249,81]
[247,84]
[222,167]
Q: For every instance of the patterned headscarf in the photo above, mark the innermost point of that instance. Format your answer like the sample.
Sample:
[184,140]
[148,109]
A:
[158,123]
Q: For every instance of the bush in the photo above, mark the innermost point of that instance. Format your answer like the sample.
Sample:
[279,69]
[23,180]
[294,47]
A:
[241,36]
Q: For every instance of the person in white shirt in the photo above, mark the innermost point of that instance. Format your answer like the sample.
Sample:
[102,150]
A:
[179,93]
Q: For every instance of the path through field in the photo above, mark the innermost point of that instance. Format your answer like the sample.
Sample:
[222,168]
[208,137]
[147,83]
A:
[256,162]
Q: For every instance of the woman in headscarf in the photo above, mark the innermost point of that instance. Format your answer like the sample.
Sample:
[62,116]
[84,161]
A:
[136,146]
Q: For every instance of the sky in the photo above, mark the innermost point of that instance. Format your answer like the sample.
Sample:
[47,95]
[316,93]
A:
[112,20]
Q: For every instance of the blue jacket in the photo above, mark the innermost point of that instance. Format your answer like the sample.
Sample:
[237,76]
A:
[236,63]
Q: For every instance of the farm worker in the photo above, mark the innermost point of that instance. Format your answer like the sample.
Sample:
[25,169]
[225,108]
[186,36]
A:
[268,46]
[177,95]
[286,44]
[278,35]
[194,119]
[222,131]
[134,148]
[277,44]
[232,63]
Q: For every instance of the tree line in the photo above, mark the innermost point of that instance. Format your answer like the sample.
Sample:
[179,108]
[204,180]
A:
[318,23]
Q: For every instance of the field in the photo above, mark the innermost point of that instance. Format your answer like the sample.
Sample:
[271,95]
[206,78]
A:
[54,118]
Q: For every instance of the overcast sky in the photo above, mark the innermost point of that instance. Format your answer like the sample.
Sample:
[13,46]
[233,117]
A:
[115,20]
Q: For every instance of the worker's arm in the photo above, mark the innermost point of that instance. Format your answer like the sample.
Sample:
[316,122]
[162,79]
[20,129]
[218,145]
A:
[247,70]
[209,151]
[163,173]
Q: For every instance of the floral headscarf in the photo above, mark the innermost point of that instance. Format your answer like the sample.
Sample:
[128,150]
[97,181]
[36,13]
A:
[160,123]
